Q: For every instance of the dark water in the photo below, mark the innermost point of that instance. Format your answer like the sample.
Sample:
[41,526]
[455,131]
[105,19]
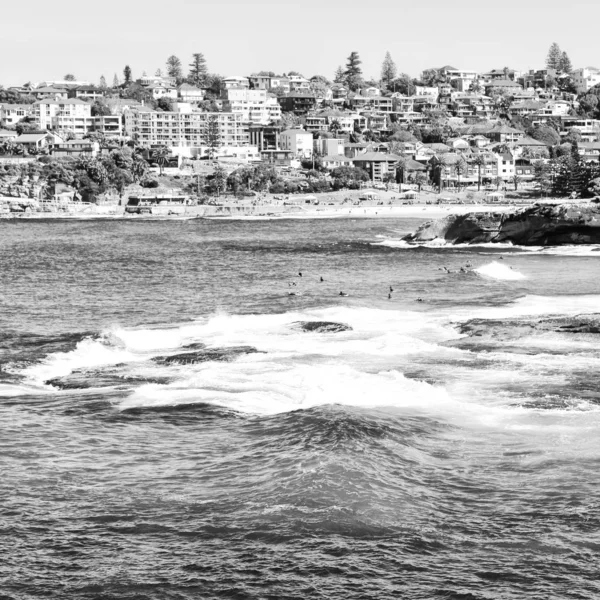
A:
[174,424]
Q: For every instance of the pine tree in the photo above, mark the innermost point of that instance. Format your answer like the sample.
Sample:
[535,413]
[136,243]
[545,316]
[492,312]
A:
[340,76]
[565,63]
[174,68]
[198,70]
[127,74]
[102,82]
[554,56]
[388,70]
[353,71]
[213,135]
[115,81]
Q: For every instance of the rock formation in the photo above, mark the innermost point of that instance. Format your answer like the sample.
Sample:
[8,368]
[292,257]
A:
[539,225]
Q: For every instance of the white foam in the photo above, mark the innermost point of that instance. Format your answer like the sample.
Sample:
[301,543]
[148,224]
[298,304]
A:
[495,270]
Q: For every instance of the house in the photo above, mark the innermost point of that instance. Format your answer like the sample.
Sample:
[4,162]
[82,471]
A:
[298,83]
[524,169]
[163,90]
[457,144]
[461,79]
[297,141]
[590,151]
[299,103]
[11,114]
[370,91]
[506,166]
[86,92]
[529,142]
[506,86]
[260,82]
[525,107]
[36,141]
[6,135]
[49,92]
[282,83]
[277,158]
[256,106]
[438,148]
[235,81]
[333,161]
[265,137]
[190,93]
[76,148]
[410,169]
[378,164]
[504,134]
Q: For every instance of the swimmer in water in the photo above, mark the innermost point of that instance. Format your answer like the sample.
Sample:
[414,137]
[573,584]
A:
[300,274]
[322,280]
[391,289]
[419,299]
[343,294]
[389,296]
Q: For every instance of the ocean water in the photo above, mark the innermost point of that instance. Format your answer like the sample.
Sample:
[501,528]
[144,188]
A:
[183,415]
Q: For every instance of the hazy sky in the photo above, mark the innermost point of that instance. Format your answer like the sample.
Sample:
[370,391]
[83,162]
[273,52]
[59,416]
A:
[45,40]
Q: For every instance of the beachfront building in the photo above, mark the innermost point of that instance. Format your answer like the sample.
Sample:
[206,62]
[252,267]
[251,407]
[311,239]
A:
[297,141]
[187,129]
[378,165]
[255,106]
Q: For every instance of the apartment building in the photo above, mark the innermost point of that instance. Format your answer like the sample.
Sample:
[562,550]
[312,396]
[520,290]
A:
[64,114]
[255,106]
[184,129]
[298,141]
[585,79]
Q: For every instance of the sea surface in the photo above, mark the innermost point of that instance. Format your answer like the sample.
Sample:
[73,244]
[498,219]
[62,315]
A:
[183,415]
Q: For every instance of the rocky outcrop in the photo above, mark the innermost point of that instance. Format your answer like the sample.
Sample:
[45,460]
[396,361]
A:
[540,225]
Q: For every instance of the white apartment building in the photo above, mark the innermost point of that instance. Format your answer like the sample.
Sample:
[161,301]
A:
[65,114]
[298,141]
[298,83]
[183,129]
[11,114]
[585,79]
[255,106]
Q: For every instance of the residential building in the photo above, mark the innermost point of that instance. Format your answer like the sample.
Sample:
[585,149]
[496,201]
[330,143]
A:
[11,114]
[109,125]
[260,82]
[506,166]
[265,137]
[329,146]
[162,89]
[506,86]
[299,103]
[184,129]
[524,169]
[277,158]
[148,80]
[590,151]
[298,83]
[504,134]
[585,79]
[460,79]
[235,81]
[323,120]
[334,161]
[282,83]
[86,92]
[377,164]
[190,93]
[65,114]
[76,148]
[49,92]
[36,141]
[298,141]
[255,106]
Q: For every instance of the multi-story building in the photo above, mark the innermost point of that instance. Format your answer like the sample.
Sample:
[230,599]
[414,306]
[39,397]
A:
[265,137]
[189,93]
[163,90]
[109,125]
[461,79]
[184,129]
[377,164]
[256,106]
[86,92]
[65,114]
[585,79]
[298,83]
[260,82]
[11,114]
[298,141]
[329,146]
[330,119]
[235,81]
[300,103]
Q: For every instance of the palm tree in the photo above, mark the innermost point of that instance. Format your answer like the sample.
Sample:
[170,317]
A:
[442,163]
[479,161]
[161,155]
[401,166]
[516,180]
[335,127]
[460,168]
[498,181]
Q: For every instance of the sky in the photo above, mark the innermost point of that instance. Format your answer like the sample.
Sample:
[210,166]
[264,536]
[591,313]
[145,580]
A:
[44,40]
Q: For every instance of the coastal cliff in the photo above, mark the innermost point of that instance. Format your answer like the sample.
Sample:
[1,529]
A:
[540,225]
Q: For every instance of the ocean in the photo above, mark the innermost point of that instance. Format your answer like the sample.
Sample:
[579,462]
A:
[190,409]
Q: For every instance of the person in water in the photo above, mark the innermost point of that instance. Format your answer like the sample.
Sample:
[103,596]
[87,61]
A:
[343,294]
[322,280]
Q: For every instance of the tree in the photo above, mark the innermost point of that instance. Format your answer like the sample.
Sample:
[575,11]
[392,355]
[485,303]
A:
[335,127]
[158,73]
[102,82]
[219,180]
[353,71]
[70,77]
[165,104]
[174,68]
[100,109]
[516,180]
[127,74]
[404,84]
[213,135]
[554,57]
[479,161]
[442,163]
[162,154]
[460,168]
[340,76]
[388,70]
[198,70]
[564,64]
[115,81]
[544,133]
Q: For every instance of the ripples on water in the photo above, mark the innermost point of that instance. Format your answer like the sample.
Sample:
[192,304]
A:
[175,425]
